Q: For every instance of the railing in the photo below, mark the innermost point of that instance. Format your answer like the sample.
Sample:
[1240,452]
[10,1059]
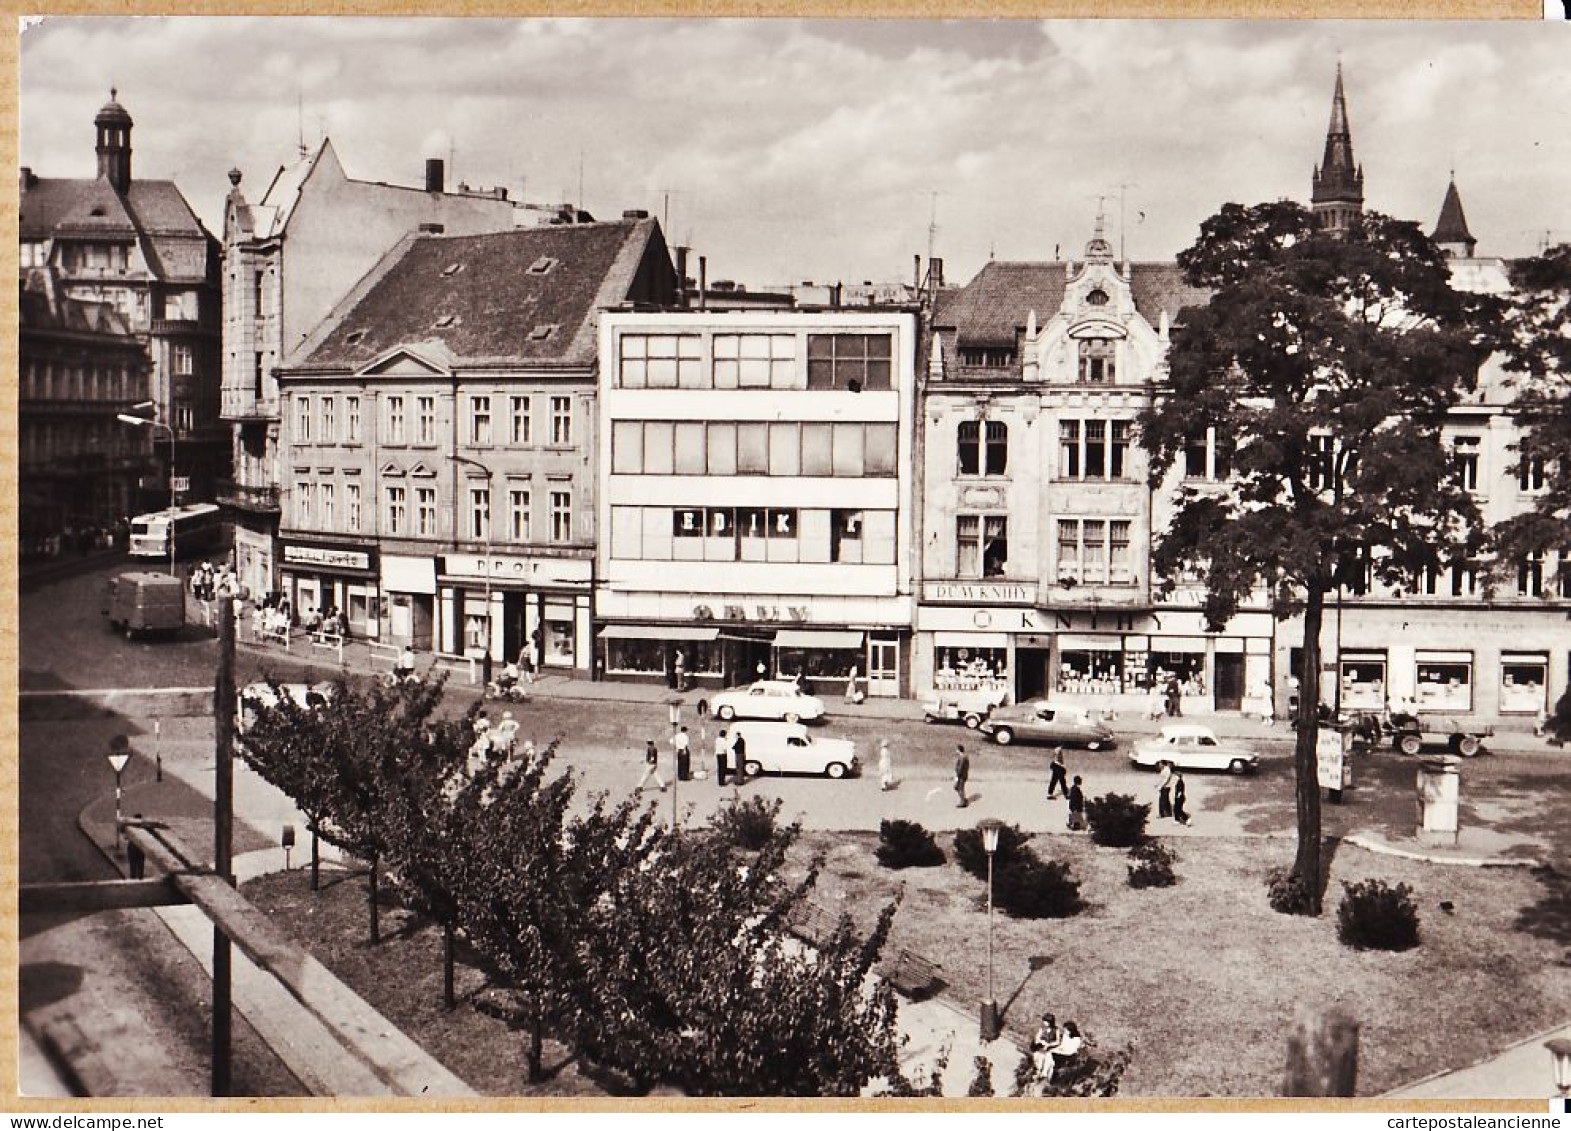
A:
[247,496]
[238,404]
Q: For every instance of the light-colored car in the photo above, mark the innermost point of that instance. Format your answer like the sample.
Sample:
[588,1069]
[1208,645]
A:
[768,699]
[1192,747]
[787,748]
[968,707]
[254,695]
[1037,720]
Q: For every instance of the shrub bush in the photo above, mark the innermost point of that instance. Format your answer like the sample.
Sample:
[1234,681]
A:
[1288,893]
[1373,915]
[906,844]
[1030,888]
[982,1082]
[1151,865]
[1117,820]
[1092,1074]
[749,824]
[971,856]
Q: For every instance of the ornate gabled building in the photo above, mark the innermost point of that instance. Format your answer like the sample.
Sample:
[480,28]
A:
[136,246]
[1337,187]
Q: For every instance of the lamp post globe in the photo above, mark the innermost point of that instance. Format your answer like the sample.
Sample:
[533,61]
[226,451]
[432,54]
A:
[1560,1049]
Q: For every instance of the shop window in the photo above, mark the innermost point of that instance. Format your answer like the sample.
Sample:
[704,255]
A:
[1464,461]
[518,420]
[752,449]
[970,669]
[425,512]
[556,634]
[1524,680]
[1444,683]
[659,361]
[820,663]
[1084,671]
[562,420]
[848,361]
[1098,361]
[635,657]
[1363,683]
[754,361]
[561,516]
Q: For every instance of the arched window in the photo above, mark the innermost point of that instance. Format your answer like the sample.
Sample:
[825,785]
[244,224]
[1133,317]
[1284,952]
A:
[984,447]
[1097,360]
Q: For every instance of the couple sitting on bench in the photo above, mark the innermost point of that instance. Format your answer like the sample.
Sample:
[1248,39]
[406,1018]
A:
[1052,1048]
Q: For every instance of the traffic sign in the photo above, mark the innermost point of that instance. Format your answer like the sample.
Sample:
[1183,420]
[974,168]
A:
[180,483]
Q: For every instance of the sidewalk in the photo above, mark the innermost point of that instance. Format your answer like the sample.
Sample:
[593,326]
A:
[1522,1070]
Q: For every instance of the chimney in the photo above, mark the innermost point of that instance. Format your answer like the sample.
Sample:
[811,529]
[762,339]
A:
[635,213]
[433,174]
[917,271]
[681,274]
[703,282]
[935,268]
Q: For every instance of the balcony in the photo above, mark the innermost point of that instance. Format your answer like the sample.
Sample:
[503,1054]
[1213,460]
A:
[245,497]
[243,404]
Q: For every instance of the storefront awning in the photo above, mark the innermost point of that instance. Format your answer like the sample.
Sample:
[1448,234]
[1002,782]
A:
[804,638]
[656,632]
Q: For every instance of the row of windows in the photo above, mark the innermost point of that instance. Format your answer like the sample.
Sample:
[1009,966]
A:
[1092,551]
[47,381]
[753,448]
[412,419]
[755,361]
[1088,449]
[1465,455]
[753,534]
[415,510]
[45,440]
[1097,359]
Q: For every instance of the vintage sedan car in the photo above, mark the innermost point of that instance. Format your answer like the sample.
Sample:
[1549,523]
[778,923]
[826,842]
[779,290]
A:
[768,699]
[968,707]
[1192,747]
[262,694]
[1037,720]
[787,748]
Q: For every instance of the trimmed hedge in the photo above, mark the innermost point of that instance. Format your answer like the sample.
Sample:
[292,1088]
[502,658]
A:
[1152,865]
[1117,820]
[1373,915]
[749,824]
[906,844]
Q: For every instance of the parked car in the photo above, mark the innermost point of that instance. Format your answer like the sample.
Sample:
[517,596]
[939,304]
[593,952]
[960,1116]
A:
[968,707]
[1037,720]
[143,601]
[261,694]
[787,748]
[767,699]
[1192,747]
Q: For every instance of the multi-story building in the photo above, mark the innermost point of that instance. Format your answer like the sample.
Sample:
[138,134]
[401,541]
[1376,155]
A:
[136,246]
[78,366]
[287,259]
[437,439]
[1036,523]
[756,477]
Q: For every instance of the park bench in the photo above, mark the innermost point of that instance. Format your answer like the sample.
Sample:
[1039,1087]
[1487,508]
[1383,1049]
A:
[811,922]
[912,975]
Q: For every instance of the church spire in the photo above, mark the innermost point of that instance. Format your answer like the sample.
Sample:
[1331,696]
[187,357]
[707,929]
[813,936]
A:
[1337,190]
[1451,229]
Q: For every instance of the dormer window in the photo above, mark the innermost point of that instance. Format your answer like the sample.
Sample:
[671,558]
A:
[543,265]
[451,269]
[446,321]
[987,357]
[1097,297]
[1097,361]
[354,337]
[542,332]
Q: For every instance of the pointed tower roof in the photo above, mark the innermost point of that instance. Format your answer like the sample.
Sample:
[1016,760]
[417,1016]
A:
[1451,229]
[1337,190]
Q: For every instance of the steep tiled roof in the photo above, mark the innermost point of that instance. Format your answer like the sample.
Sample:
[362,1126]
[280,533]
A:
[994,305]
[527,295]
[1452,225]
[78,205]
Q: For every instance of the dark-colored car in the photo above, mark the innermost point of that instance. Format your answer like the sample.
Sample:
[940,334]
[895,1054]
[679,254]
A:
[1037,720]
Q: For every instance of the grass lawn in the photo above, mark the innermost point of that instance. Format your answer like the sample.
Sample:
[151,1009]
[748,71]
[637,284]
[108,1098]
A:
[1200,981]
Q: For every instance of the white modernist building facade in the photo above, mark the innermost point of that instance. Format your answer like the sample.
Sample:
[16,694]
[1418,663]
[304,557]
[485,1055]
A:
[756,474]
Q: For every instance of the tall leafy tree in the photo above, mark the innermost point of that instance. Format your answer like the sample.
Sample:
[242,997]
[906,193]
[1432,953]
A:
[1326,366]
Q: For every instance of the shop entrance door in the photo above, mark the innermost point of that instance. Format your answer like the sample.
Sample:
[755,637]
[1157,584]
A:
[399,621]
[1030,673]
[1229,681]
[883,668]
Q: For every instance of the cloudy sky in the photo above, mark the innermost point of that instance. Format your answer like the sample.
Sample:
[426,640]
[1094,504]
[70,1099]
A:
[790,150]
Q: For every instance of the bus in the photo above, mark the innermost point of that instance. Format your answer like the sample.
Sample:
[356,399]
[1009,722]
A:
[197,527]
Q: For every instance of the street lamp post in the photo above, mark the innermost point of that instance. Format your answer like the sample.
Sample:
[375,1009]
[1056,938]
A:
[990,1026]
[486,659]
[1560,1049]
[144,422]
[119,755]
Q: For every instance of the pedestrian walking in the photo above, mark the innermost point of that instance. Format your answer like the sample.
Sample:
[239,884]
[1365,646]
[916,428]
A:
[738,758]
[853,693]
[1077,806]
[1059,779]
[722,754]
[1180,814]
[681,748]
[886,767]
[962,775]
[1175,697]
[1164,786]
[651,766]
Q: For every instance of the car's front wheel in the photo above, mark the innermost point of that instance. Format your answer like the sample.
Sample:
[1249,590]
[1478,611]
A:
[973,721]
[1468,745]
[1238,766]
[835,770]
[1411,744]
[792,717]
[1003,736]
[727,712]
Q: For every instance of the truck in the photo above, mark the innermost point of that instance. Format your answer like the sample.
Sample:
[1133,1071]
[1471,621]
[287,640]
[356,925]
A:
[143,601]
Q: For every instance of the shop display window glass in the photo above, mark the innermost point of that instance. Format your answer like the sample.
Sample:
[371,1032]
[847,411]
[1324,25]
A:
[819,663]
[1444,685]
[1523,684]
[1363,683]
[1188,667]
[556,630]
[635,657]
[970,669]
[1091,671]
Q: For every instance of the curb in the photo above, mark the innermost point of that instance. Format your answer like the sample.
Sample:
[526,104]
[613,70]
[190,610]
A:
[1535,1039]
[1380,848]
